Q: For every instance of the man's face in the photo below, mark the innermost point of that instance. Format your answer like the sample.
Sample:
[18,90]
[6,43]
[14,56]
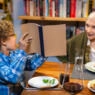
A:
[90,29]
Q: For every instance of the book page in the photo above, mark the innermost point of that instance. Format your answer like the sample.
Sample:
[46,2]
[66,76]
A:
[54,37]
[33,30]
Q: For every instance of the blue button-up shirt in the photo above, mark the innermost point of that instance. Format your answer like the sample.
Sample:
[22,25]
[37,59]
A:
[12,66]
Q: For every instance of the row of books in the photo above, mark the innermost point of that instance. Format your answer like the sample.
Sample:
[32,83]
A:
[58,8]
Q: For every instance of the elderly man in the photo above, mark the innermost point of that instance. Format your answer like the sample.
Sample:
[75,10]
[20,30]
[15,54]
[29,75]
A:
[84,42]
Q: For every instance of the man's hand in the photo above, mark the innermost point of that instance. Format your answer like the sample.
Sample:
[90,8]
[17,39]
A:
[24,41]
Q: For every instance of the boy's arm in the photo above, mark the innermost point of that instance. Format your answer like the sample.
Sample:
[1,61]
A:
[34,61]
[12,70]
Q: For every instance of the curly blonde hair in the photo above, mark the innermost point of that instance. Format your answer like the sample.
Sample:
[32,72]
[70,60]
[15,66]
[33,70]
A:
[6,30]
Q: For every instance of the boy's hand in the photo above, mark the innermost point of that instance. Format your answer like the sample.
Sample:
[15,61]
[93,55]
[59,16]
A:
[24,41]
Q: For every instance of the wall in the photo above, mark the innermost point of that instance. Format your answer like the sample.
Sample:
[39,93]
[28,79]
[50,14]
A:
[18,9]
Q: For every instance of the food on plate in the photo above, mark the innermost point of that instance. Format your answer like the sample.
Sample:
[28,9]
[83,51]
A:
[90,66]
[92,85]
[49,81]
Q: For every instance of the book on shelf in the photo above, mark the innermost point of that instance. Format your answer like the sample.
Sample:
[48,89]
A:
[31,8]
[46,9]
[68,5]
[73,8]
[48,40]
[52,8]
[27,7]
[85,9]
[78,8]
[62,8]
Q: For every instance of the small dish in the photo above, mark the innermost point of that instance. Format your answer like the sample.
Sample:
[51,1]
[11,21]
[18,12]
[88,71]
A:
[90,66]
[43,82]
[91,85]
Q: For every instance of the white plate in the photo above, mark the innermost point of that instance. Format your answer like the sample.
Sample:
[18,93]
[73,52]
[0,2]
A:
[90,66]
[89,85]
[43,82]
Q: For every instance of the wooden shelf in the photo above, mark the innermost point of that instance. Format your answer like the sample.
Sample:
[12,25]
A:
[40,18]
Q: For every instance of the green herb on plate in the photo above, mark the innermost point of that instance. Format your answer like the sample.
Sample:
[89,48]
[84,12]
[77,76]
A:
[49,81]
[53,81]
[45,80]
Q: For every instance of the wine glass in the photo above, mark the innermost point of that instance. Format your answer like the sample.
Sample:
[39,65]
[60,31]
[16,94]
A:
[76,86]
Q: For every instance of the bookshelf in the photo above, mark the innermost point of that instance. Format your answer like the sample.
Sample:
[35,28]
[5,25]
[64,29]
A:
[56,12]
[40,18]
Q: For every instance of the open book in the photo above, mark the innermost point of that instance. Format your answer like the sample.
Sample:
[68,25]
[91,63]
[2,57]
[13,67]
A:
[48,40]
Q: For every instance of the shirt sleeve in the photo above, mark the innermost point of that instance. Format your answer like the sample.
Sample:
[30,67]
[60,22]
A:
[12,68]
[34,61]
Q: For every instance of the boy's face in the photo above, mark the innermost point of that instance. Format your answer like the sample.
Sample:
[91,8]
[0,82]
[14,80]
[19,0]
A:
[11,43]
[90,29]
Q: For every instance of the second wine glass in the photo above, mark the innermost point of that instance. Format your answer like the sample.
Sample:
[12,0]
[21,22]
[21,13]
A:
[76,86]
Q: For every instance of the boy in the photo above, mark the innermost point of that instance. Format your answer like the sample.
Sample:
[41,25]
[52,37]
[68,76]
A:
[13,59]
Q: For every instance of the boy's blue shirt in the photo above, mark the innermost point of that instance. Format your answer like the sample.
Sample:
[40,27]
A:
[12,66]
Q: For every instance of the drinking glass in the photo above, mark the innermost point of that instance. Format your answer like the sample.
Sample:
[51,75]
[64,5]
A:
[76,86]
[64,77]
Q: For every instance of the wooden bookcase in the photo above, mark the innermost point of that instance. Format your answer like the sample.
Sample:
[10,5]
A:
[41,7]
[47,19]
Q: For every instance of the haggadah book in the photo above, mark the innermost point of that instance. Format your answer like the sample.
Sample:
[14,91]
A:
[48,40]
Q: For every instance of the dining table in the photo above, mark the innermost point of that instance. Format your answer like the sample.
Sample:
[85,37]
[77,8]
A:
[54,69]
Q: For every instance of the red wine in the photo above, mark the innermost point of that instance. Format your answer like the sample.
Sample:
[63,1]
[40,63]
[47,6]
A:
[64,77]
[73,87]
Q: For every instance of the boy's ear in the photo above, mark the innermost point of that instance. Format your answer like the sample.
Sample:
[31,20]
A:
[3,43]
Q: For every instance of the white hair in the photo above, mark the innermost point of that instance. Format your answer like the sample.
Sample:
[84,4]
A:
[91,15]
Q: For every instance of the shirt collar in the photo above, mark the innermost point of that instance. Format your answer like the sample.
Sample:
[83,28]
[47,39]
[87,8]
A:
[88,42]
